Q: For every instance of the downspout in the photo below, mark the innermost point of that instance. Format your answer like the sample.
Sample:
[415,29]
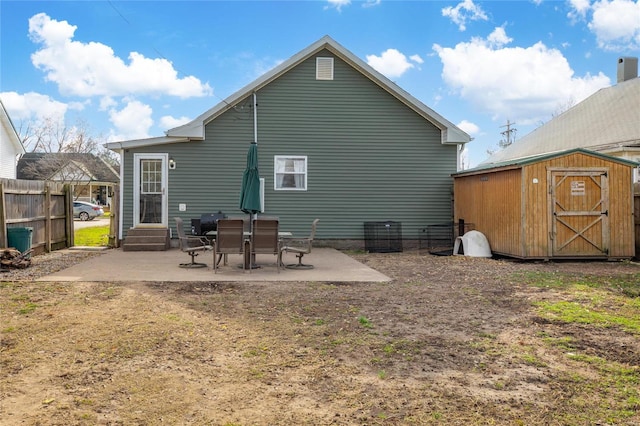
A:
[120,212]
[255,118]
[255,138]
[459,160]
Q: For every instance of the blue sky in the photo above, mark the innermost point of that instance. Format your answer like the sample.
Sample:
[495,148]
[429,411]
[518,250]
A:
[135,69]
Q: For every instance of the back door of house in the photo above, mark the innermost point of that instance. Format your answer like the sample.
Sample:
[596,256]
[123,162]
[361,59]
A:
[579,212]
[150,190]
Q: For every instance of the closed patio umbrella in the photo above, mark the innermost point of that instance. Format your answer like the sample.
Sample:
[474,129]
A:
[250,191]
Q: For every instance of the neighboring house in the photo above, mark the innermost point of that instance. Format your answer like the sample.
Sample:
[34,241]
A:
[93,178]
[10,145]
[336,139]
[607,122]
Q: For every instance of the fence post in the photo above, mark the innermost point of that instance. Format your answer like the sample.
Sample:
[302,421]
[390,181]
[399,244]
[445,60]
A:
[636,215]
[114,218]
[47,217]
[68,211]
[3,217]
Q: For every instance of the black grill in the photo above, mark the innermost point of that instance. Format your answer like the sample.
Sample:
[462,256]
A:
[207,222]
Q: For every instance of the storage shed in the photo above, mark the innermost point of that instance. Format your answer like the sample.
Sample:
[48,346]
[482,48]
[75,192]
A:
[571,204]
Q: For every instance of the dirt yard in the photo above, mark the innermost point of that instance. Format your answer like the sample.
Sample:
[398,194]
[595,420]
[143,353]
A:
[451,341]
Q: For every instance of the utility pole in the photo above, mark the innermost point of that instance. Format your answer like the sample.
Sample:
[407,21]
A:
[509,135]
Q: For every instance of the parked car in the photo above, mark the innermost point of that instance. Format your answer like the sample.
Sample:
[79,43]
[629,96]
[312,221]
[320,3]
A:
[86,211]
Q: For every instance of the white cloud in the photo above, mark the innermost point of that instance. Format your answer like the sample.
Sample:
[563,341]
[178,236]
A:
[92,69]
[499,38]
[371,3]
[107,102]
[392,63]
[131,122]
[33,106]
[168,122]
[337,4]
[417,59]
[616,24]
[463,12]
[525,84]
[579,9]
[469,128]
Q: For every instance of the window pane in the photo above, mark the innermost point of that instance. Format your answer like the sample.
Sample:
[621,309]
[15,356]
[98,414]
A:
[290,172]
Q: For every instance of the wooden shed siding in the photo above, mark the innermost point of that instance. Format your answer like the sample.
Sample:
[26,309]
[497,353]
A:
[620,202]
[491,202]
[532,211]
[535,212]
[370,158]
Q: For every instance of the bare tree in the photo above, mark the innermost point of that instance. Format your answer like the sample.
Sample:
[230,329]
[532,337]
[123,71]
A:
[51,135]
[565,106]
[62,153]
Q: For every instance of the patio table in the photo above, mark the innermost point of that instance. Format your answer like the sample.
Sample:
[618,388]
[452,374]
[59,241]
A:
[248,264]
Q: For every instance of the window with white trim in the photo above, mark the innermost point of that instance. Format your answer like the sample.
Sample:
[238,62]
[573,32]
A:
[290,172]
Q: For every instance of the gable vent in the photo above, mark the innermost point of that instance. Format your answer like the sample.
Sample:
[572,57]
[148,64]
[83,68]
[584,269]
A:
[324,68]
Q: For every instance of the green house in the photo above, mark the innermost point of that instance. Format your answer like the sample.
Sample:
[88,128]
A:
[336,141]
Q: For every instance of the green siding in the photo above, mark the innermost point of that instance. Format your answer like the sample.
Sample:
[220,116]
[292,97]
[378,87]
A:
[370,157]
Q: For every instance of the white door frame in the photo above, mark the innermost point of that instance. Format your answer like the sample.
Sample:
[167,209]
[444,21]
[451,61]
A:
[163,220]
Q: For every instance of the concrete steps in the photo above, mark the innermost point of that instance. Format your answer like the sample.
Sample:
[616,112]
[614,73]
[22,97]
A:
[146,239]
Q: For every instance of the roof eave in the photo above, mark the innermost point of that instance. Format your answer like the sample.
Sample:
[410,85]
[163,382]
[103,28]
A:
[13,134]
[137,143]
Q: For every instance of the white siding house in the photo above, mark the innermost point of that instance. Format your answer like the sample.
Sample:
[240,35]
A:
[10,145]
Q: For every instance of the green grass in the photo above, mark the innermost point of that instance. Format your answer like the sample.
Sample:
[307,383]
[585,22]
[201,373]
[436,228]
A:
[626,284]
[593,388]
[97,236]
[589,313]
[365,322]
[599,301]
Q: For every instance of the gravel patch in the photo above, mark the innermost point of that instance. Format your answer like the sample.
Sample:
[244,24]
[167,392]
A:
[47,263]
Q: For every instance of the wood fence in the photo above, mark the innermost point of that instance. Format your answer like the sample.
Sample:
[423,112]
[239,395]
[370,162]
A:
[114,218]
[45,206]
[636,215]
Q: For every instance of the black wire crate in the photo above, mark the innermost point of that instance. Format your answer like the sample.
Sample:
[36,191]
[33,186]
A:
[440,238]
[383,237]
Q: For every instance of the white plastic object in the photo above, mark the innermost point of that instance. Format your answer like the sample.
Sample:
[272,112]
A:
[474,244]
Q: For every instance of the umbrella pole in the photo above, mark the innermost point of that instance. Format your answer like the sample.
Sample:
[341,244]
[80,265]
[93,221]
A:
[252,262]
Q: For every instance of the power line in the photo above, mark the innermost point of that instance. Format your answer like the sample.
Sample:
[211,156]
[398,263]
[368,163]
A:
[118,12]
[152,46]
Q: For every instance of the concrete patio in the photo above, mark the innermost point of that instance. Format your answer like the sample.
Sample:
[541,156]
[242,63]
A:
[330,265]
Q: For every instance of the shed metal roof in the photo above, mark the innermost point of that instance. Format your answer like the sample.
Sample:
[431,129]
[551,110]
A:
[519,162]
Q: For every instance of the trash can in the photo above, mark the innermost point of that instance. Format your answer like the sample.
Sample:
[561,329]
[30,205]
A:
[19,238]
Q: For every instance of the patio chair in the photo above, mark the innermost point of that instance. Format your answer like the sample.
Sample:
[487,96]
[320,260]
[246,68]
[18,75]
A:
[264,239]
[229,240]
[192,245]
[300,246]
